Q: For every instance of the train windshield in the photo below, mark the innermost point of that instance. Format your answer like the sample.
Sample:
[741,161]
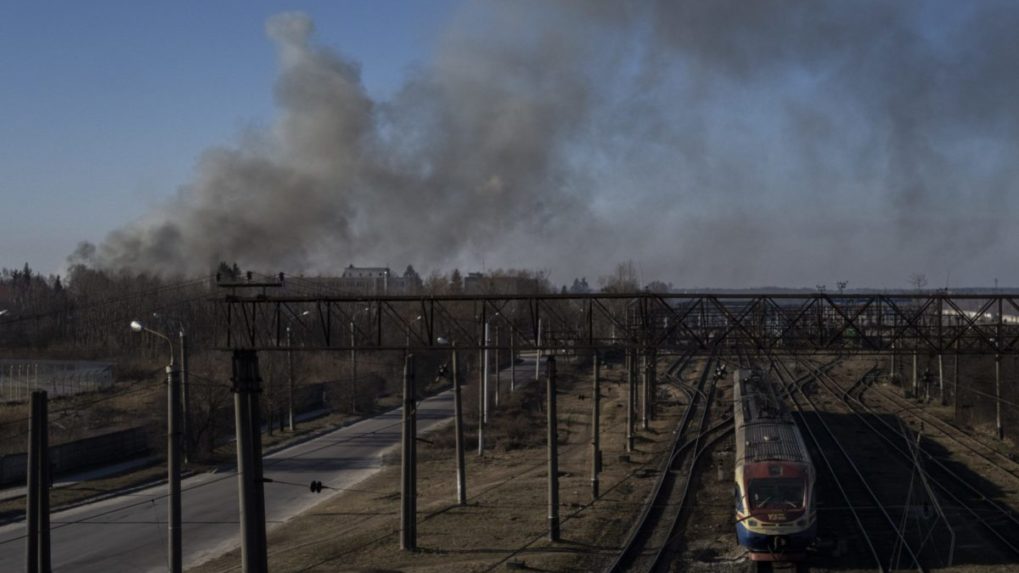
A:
[776,493]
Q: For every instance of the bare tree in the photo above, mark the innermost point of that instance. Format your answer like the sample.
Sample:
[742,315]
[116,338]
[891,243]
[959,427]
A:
[623,279]
[918,280]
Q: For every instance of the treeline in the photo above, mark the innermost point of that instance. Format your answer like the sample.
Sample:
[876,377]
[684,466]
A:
[87,313]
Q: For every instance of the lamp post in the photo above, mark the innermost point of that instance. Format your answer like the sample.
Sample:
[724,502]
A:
[172,453]
[409,327]
[353,361]
[487,368]
[185,387]
[290,373]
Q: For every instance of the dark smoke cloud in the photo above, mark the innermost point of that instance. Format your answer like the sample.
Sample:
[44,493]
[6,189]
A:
[720,143]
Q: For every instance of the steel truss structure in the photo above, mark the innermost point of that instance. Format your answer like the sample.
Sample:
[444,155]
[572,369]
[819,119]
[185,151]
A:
[690,323]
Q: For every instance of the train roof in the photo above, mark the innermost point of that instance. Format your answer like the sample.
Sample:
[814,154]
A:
[764,429]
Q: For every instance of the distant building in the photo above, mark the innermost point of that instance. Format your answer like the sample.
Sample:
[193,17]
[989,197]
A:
[408,283]
[378,281]
[474,283]
[366,280]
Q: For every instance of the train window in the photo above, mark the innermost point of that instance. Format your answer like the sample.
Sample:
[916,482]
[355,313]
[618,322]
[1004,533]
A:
[776,493]
[739,499]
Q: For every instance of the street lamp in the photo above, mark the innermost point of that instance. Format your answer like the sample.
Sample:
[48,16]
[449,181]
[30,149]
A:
[185,387]
[172,452]
[290,374]
[410,326]
[488,342]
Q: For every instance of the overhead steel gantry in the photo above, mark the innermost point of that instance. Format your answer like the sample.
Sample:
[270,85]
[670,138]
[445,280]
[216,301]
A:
[689,323]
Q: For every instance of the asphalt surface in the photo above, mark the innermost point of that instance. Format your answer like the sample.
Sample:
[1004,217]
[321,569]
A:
[128,532]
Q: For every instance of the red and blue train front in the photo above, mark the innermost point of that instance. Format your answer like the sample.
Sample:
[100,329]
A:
[791,545]
[775,514]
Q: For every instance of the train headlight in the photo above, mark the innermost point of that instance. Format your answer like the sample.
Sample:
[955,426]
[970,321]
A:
[752,522]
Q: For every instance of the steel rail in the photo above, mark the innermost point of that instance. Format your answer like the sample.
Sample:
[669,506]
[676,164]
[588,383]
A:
[632,547]
[666,546]
[1007,513]
[827,462]
[856,470]
[626,557]
[950,433]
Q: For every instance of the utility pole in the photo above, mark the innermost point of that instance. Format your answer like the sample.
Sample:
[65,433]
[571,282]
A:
[353,371]
[652,382]
[408,465]
[481,403]
[173,455]
[553,452]
[498,377]
[513,362]
[997,396]
[537,354]
[941,378]
[259,482]
[246,382]
[458,421]
[596,428]
[37,512]
[893,374]
[484,376]
[173,451]
[645,392]
[916,382]
[630,394]
[955,384]
[290,380]
[185,386]
[32,485]
[44,483]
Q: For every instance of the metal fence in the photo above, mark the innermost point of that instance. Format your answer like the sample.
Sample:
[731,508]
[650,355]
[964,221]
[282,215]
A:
[18,378]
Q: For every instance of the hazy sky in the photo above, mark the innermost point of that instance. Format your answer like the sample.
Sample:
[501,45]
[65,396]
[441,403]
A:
[723,143]
[108,105]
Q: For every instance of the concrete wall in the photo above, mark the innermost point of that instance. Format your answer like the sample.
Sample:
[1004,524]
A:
[95,451]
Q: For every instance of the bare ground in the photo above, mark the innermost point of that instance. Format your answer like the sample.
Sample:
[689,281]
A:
[504,524]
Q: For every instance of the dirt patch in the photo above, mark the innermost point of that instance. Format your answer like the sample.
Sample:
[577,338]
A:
[505,521]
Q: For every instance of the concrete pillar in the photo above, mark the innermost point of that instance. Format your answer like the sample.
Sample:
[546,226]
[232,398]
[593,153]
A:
[941,379]
[997,396]
[916,381]
[630,394]
[553,452]
[892,375]
[596,428]
[408,461]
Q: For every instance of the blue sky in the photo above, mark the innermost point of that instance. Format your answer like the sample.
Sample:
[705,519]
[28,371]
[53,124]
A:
[107,105]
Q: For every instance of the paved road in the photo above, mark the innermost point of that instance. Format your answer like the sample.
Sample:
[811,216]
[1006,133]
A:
[128,532]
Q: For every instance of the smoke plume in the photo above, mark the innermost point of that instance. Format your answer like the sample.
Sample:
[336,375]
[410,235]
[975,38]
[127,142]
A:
[724,143]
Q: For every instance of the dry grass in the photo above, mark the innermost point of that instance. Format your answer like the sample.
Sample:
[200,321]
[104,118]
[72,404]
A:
[505,519]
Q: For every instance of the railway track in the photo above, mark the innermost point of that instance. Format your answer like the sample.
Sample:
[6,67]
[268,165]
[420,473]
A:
[655,540]
[970,505]
[987,456]
[984,527]
[646,547]
[864,510]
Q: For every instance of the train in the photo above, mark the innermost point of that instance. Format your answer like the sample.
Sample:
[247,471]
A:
[776,516]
